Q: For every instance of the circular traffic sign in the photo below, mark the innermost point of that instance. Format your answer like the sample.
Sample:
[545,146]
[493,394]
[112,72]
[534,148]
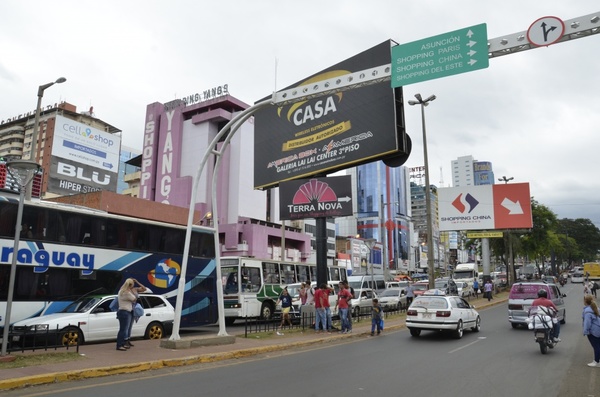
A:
[546,31]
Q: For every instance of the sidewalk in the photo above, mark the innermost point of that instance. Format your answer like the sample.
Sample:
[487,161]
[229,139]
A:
[103,359]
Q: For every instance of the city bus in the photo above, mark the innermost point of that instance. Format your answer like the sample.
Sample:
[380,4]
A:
[68,251]
[251,286]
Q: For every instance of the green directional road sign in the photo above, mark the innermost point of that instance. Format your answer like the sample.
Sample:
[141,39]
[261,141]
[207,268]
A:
[461,51]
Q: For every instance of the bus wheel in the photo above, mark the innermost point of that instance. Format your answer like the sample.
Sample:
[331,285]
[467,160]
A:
[155,330]
[266,311]
[229,321]
[71,336]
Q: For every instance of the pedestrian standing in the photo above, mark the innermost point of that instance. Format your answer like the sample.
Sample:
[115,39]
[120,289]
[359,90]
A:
[126,299]
[376,317]
[487,288]
[326,291]
[321,319]
[410,294]
[137,290]
[351,290]
[342,303]
[591,327]
[476,288]
[595,288]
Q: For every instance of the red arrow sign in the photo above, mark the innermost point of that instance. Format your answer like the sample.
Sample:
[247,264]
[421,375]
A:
[512,206]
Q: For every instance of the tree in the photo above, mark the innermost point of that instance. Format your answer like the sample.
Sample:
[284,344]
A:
[587,236]
[537,244]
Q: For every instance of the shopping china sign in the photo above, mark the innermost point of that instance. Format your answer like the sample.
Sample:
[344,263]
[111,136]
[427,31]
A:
[485,207]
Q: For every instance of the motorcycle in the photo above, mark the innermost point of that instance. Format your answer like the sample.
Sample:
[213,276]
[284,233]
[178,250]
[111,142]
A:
[542,324]
[562,281]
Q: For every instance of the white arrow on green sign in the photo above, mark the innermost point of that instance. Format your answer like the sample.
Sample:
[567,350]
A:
[447,54]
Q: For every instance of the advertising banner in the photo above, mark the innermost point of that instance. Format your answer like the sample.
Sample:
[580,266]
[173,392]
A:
[330,132]
[487,207]
[316,198]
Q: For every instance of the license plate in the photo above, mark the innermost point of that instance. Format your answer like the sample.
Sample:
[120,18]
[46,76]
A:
[427,315]
[540,335]
[16,338]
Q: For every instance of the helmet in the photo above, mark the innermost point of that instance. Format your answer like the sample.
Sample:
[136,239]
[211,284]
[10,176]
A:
[542,293]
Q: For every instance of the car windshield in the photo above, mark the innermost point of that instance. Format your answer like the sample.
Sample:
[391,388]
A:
[430,302]
[81,305]
[390,292]
[420,287]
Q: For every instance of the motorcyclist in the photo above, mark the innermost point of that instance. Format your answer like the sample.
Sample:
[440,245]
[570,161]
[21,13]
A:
[543,300]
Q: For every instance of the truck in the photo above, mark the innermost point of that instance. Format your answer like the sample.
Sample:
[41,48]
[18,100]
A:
[592,270]
[467,272]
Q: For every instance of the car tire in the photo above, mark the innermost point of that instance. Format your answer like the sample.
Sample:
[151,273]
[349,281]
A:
[514,325]
[564,319]
[458,333]
[477,326]
[155,330]
[415,332]
[229,321]
[70,336]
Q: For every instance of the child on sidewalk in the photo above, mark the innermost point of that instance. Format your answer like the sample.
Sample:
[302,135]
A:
[376,313]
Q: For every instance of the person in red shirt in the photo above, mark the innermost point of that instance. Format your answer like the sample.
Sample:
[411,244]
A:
[321,318]
[543,300]
[325,291]
[344,297]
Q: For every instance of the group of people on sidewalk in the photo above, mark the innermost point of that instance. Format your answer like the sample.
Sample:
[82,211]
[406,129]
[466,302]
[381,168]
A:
[318,298]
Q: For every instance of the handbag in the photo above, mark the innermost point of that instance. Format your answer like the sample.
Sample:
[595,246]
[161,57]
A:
[138,311]
[114,305]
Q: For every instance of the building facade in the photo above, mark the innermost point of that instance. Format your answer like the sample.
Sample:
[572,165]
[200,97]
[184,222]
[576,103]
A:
[78,153]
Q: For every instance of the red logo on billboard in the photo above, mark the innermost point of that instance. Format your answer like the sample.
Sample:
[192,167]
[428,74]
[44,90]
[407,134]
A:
[314,190]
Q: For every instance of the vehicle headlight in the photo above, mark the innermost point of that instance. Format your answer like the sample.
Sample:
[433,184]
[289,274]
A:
[38,327]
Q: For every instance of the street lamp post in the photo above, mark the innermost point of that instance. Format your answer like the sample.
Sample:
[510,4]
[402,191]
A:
[510,276]
[370,243]
[430,257]
[36,123]
[22,171]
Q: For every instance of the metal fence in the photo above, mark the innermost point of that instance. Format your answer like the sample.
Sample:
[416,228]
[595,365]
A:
[304,321]
[23,339]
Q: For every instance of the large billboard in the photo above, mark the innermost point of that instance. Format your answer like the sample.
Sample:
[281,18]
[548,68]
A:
[487,207]
[331,132]
[84,159]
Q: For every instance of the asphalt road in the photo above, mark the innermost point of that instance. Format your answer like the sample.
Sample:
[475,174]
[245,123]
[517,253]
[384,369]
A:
[498,361]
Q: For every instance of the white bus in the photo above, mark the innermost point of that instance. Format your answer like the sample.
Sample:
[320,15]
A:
[68,251]
[251,286]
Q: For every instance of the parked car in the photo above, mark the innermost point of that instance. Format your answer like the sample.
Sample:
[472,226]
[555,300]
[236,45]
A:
[90,319]
[392,299]
[363,301]
[436,311]
[522,295]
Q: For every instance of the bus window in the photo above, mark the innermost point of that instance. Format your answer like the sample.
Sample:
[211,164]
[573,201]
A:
[288,274]
[271,273]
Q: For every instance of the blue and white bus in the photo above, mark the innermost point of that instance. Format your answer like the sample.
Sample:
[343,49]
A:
[67,251]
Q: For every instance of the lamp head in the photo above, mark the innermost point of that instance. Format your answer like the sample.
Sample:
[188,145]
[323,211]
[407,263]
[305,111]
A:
[419,98]
[60,80]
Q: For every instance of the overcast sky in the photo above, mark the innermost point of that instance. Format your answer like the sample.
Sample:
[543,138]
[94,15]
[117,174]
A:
[535,115]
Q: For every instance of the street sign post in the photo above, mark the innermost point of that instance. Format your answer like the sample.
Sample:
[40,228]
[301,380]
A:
[447,54]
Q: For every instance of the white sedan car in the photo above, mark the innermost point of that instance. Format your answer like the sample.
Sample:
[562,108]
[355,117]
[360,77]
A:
[90,319]
[392,299]
[465,289]
[434,310]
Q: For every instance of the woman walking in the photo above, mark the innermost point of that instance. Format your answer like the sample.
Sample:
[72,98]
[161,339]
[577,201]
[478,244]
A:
[591,327]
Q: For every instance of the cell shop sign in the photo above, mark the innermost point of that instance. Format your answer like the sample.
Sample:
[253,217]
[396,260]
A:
[316,198]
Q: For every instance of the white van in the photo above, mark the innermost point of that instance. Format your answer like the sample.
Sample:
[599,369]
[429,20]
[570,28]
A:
[376,282]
